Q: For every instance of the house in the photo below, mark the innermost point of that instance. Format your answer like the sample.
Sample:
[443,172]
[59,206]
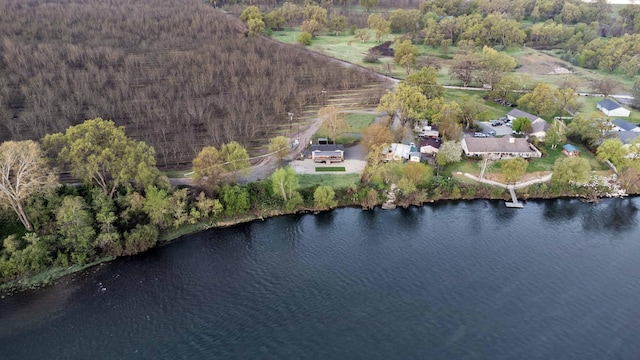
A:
[430,146]
[623,125]
[499,148]
[415,156]
[327,152]
[398,152]
[570,150]
[540,127]
[626,136]
[612,108]
[516,113]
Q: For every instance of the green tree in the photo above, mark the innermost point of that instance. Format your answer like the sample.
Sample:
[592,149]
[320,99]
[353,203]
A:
[285,183]
[544,100]
[338,23]
[23,173]
[427,80]
[449,152]
[614,151]
[324,198]
[407,100]
[381,26]
[362,35]
[274,20]
[250,12]
[279,146]
[493,65]
[311,26]
[375,135]
[305,38]
[208,165]
[635,92]
[571,169]
[405,55]
[157,206]
[235,199]
[418,173]
[522,124]
[255,26]
[514,169]
[75,226]
[555,134]
[99,152]
[108,239]
[334,123]
[590,129]
[236,159]
[473,108]
[368,4]
[464,68]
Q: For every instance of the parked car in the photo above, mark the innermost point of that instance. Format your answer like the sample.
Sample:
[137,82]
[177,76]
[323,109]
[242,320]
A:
[479,134]
[496,123]
[508,124]
[491,133]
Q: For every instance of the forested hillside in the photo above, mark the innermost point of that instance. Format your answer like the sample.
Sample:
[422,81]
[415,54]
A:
[178,74]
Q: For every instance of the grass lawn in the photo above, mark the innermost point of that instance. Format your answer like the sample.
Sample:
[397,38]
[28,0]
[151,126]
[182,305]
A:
[546,163]
[358,122]
[464,166]
[331,169]
[456,95]
[336,181]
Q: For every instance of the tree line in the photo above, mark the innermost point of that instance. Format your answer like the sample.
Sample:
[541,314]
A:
[179,75]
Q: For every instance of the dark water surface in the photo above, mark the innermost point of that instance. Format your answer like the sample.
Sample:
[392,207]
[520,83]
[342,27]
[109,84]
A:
[472,280]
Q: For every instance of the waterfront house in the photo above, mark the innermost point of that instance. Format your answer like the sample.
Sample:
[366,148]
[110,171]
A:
[612,108]
[499,148]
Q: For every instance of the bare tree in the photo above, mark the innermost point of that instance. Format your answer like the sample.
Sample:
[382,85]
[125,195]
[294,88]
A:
[23,172]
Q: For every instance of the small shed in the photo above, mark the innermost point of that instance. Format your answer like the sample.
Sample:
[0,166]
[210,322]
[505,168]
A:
[612,108]
[570,150]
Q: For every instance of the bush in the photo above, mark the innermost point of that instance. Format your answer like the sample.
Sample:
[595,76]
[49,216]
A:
[371,58]
[305,38]
[139,239]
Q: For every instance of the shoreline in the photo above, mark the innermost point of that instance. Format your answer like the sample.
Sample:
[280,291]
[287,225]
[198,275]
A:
[53,275]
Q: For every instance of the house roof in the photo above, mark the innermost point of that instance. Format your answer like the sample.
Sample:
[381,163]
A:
[516,113]
[626,136]
[497,145]
[327,147]
[434,143]
[608,104]
[570,148]
[623,124]
[539,125]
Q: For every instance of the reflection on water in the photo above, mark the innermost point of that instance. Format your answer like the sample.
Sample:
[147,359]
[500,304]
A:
[468,280]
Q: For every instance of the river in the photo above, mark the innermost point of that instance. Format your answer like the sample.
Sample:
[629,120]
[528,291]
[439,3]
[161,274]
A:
[460,280]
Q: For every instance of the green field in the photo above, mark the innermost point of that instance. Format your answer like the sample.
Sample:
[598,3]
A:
[358,122]
[336,181]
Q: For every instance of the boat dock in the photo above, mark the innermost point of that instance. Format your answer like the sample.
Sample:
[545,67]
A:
[514,203]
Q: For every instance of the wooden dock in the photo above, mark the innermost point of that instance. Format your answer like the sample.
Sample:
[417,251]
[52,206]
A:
[514,200]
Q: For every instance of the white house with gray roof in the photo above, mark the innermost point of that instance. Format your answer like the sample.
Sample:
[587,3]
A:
[624,125]
[516,113]
[612,108]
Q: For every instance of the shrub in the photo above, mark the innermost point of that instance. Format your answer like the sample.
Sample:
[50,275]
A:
[305,38]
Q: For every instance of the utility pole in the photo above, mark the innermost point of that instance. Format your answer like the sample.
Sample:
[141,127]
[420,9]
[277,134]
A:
[324,97]
[290,123]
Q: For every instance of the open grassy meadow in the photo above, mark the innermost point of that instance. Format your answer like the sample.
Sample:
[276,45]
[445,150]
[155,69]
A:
[336,181]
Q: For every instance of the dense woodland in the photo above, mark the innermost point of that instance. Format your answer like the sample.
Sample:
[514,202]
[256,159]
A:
[179,75]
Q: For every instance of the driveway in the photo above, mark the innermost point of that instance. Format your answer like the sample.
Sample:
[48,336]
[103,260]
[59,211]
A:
[500,130]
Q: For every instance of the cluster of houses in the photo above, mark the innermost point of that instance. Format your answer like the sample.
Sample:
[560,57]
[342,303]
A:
[507,146]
